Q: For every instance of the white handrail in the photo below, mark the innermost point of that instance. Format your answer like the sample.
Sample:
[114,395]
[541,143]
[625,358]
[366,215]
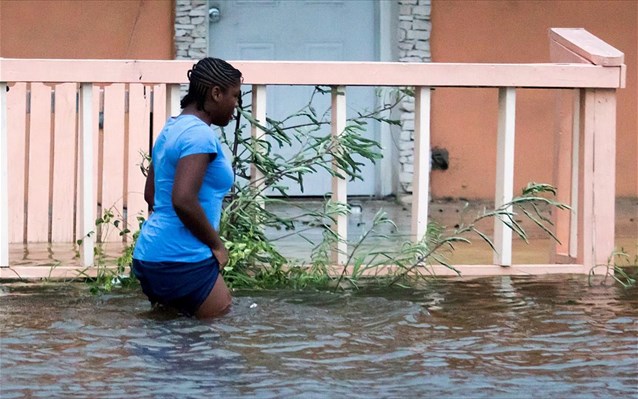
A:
[319,73]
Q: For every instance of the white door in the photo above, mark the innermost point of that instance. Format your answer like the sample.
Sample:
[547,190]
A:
[302,30]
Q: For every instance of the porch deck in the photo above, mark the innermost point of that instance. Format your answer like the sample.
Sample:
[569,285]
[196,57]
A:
[61,262]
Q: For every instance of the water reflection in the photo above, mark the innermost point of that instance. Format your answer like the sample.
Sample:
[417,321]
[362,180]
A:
[486,338]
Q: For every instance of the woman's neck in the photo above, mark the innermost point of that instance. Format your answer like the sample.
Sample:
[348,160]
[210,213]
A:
[191,109]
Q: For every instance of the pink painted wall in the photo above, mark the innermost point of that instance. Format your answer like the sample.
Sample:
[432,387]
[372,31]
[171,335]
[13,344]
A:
[465,121]
[118,29]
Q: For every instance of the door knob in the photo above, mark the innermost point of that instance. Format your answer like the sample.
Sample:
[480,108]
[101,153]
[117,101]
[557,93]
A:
[214,14]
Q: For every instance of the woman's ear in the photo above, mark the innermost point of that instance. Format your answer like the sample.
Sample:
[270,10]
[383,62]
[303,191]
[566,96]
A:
[216,93]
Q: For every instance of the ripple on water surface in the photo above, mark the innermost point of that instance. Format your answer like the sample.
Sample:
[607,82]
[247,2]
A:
[490,338]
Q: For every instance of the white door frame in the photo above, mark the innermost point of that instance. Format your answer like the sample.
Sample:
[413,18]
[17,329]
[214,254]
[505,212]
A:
[387,169]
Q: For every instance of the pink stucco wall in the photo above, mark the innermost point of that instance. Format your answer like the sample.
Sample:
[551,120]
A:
[130,29]
[464,121]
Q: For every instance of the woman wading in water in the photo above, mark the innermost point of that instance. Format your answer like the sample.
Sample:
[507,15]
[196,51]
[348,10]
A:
[179,253]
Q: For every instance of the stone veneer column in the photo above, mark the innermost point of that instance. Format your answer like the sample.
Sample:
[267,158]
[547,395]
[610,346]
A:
[413,38]
[191,31]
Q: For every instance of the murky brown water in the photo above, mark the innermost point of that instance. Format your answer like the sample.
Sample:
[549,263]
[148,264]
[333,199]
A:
[500,337]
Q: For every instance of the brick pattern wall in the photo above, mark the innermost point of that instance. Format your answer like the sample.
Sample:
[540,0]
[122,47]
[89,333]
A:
[191,29]
[413,37]
[191,32]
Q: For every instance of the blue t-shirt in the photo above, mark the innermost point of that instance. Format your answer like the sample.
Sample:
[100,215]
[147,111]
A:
[164,237]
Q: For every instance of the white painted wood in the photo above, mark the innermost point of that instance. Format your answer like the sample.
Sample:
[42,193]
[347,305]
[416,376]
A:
[113,155]
[138,144]
[339,186]
[173,100]
[387,28]
[387,168]
[504,172]
[63,272]
[4,180]
[421,176]
[588,46]
[38,171]
[573,221]
[596,202]
[16,159]
[586,206]
[65,130]
[326,73]
[259,113]
[87,183]
[160,108]
[604,179]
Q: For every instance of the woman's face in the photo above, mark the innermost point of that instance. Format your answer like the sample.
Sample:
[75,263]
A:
[224,104]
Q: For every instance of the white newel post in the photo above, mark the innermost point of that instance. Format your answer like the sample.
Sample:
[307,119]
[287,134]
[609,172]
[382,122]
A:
[4,180]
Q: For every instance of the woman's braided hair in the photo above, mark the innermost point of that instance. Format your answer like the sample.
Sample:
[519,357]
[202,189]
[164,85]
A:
[209,72]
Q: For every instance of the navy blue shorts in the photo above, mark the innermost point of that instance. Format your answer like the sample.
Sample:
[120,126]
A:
[183,286]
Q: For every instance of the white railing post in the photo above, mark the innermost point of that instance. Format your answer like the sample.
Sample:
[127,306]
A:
[421,176]
[504,173]
[339,186]
[257,134]
[173,100]
[138,140]
[87,204]
[597,177]
[4,180]
[572,246]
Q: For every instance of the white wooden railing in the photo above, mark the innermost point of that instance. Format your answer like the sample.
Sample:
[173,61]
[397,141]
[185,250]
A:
[54,171]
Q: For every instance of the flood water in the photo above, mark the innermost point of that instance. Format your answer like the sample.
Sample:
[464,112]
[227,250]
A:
[502,337]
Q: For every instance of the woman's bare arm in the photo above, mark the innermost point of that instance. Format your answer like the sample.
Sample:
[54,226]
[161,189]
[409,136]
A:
[189,176]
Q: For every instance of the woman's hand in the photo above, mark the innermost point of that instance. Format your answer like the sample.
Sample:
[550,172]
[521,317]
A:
[221,254]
